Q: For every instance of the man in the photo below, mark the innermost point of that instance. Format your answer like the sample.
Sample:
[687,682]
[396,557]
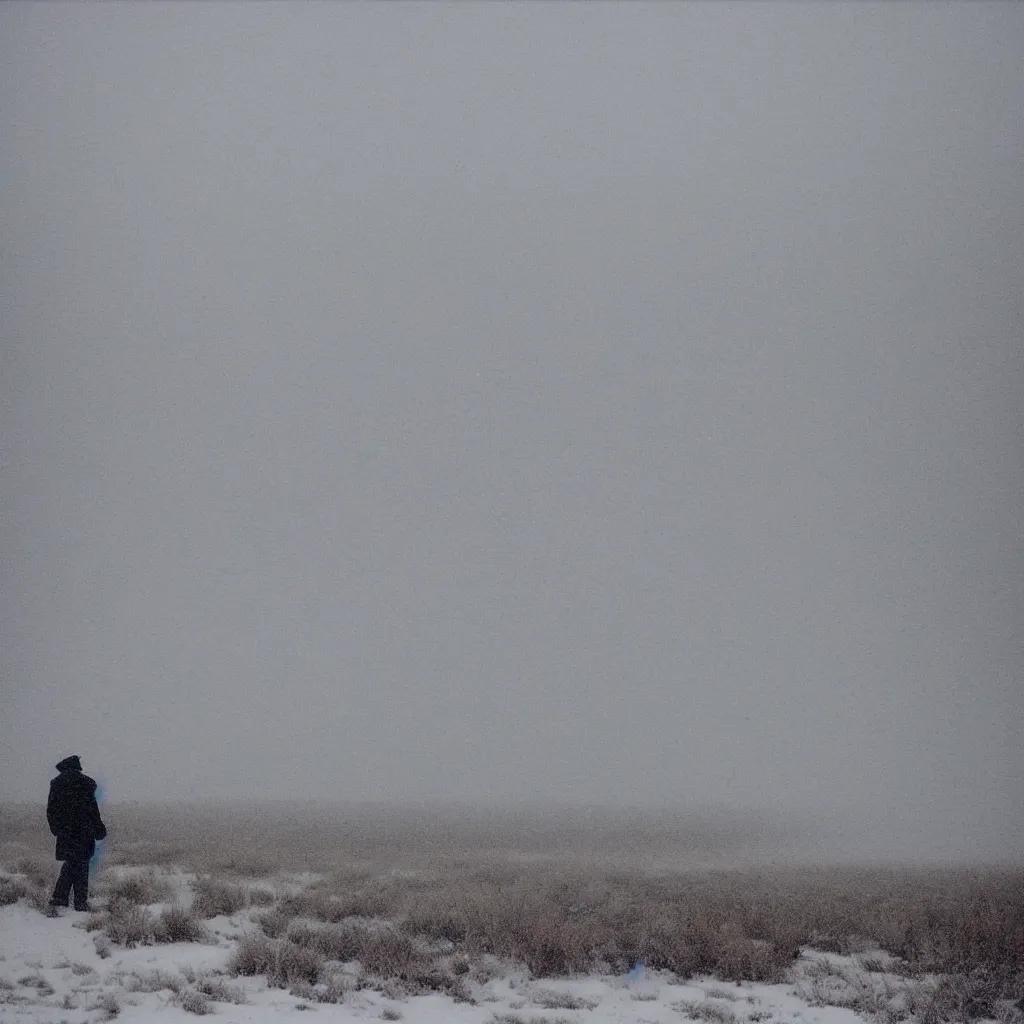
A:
[74,818]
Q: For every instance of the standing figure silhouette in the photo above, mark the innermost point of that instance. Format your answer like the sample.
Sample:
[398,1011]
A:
[74,818]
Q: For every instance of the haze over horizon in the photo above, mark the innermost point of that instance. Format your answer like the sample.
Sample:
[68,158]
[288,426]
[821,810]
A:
[601,404]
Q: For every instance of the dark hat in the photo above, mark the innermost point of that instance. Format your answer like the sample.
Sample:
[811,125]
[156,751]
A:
[70,764]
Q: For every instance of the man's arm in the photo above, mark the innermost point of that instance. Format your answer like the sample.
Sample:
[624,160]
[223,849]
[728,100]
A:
[99,829]
[52,812]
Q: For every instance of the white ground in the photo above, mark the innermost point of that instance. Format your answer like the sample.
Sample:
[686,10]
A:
[52,973]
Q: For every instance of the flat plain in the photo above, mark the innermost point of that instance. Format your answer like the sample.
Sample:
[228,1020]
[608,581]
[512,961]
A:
[498,916]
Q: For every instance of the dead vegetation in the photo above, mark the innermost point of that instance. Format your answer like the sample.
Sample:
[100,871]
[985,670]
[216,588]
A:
[11,890]
[109,1005]
[420,909]
[31,879]
[194,1002]
[307,960]
[129,925]
[734,925]
[214,987]
[138,888]
[553,1000]
[154,981]
[706,1010]
[175,924]
[214,897]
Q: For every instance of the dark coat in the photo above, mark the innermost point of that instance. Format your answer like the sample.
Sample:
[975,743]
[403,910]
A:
[73,814]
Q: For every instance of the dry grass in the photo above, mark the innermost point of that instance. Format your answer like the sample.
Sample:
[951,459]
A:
[175,924]
[261,897]
[333,942]
[138,888]
[388,954]
[35,882]
[253,955]
[214,987]
[388,960]
[560,894]
[154,981]
[714,1013]
[40,873]
[721,993]
[734,925]
[214,897]
[38,982]
[342,899]
[109,1005]
[333,990]
[194,1002]
[284,963]
[559,923]
[11,890]
[515,1018]
[274,923]
[129,927]
[123,924]
[552,1000]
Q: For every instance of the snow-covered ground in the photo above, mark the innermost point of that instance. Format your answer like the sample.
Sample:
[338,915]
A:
[53,971]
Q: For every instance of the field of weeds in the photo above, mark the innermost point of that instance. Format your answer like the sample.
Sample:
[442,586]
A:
[432,916]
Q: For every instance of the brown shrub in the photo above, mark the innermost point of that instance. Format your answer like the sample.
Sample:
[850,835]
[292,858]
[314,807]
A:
[138,888]
[962,998]
[294,963]
[127,925]
[334,942]
[333,990]
[11,890]
[472,889]
[436,920]
[219,990]
[551,999]
[260,897]
[154,981]
[387,953]
[253,955]
[333,905]
[214,898]
[194,1002]
[282,962]
[175,924]
[423,978]
[274,923]
[713,1013]
[41,874]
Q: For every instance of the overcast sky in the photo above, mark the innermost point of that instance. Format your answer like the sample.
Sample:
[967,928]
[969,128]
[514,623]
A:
[507,401]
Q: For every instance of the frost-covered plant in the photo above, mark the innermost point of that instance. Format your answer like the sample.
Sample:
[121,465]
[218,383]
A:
[214,897]
[175,924]
[714,1013]
[139,888]
[195,1002]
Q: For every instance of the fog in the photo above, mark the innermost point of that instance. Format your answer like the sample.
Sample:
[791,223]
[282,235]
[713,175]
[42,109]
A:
[590,404]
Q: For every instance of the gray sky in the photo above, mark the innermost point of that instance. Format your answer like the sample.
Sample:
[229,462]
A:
[587,402]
